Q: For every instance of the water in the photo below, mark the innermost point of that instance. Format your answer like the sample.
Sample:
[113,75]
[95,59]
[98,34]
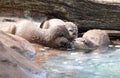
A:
[78,64]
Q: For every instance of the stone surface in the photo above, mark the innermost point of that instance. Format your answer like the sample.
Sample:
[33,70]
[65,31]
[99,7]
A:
[17,43]
[13,64]
[96,38]
[92,39]
[85,13]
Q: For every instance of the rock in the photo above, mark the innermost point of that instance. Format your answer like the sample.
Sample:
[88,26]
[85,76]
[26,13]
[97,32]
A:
[94,14]
[17,43]
[40,48]
[96,38]
[13,64]
[92,39]
[110,2]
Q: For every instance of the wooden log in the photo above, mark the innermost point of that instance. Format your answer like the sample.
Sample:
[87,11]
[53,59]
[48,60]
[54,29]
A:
[73,10]
[86,14]
[113,34]
[86,25]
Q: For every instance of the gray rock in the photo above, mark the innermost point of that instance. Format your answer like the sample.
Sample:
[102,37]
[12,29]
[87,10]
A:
[14,65]
[96,38]
[92,39]
[17,43]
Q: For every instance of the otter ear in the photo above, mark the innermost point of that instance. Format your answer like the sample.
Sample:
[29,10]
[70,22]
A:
[44,25]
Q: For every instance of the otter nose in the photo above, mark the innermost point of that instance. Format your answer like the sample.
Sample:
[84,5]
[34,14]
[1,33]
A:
[74,33]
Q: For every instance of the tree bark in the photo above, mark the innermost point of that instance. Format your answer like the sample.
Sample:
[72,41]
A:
[86,14]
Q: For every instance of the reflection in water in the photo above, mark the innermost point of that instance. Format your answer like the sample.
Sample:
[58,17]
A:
[77,64]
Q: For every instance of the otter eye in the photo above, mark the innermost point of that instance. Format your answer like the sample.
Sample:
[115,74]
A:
[71,30]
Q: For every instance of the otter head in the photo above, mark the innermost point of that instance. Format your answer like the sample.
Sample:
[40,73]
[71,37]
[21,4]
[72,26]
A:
[58,37]
[79,43]
[72,28]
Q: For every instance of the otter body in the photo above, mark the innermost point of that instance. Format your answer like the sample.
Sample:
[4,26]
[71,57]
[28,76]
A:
[53,37]
[71,27]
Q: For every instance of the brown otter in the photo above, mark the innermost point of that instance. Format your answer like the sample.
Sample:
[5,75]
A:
[71,27]
[57,36]
[79,43]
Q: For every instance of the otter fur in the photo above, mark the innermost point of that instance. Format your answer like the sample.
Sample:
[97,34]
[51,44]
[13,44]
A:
[71,27]
[57,37]
[79,43]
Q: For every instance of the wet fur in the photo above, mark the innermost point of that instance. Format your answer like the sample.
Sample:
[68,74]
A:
[52,37]
[71,27]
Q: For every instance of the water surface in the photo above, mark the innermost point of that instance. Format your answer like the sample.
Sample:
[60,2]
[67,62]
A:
[100,63]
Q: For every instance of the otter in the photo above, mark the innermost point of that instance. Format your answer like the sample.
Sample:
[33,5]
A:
[79,43]
[71,27]
[93,39]
[56,37]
